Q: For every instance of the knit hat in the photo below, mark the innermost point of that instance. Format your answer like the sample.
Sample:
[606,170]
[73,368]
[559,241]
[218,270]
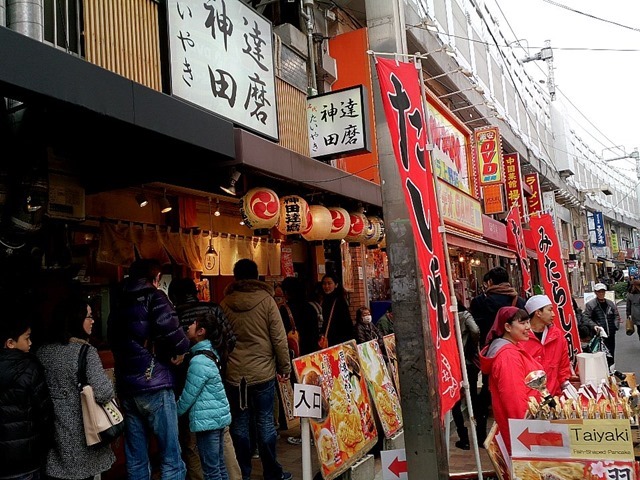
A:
[599,286]
[536,303]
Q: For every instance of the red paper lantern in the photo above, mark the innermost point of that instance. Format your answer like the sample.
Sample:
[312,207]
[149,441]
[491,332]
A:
[294,215]
[339,223]
[358,222]
[260,208]
[319,225]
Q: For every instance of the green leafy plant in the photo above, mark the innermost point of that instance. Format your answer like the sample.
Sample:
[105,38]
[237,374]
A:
[621,289]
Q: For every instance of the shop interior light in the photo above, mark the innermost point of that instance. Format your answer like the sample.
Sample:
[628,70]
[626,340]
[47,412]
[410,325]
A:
[217,212]
[461,259]
[230,186]
[32,206]
[142,200]
[165,206]
[211,254]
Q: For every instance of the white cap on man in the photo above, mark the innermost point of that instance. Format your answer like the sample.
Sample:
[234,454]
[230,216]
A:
[599,286]
[536,303]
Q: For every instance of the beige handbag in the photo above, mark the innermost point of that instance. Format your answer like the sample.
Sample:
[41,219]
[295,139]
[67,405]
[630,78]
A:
[631,327]
[102,423]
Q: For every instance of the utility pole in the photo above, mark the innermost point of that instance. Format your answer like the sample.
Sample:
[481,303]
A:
[546,55]
[423,433]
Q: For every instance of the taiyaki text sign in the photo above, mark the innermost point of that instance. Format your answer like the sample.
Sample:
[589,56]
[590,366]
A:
[554,280]
[346,429]
[572,449]
[403,108]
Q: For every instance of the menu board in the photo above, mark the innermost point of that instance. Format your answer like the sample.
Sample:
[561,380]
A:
[390,346]
[381,389]
[346,430]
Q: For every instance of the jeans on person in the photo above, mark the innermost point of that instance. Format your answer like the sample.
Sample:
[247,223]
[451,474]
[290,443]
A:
[156,413]
[258,402]
[189,449]
[211,450]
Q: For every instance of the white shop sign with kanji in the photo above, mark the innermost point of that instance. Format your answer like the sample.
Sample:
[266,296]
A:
[338,122]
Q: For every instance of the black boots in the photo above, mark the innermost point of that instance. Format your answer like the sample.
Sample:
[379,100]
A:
[463,435]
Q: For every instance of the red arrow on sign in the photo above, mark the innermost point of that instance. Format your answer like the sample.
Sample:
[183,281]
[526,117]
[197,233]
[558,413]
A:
[544,439]
[398,466]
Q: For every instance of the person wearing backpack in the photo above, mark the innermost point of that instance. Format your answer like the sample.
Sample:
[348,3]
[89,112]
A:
[204,397]
[183,292]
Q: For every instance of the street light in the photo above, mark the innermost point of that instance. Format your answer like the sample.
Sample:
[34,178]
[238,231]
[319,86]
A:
[635,155]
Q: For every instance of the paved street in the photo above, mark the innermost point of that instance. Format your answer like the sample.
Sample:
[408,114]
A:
[627,348]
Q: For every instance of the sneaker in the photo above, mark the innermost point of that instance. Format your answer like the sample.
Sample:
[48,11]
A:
[294,440]
[286,476]
[256,454]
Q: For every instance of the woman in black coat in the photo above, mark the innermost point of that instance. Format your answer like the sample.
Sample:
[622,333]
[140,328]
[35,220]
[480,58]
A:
[337,326]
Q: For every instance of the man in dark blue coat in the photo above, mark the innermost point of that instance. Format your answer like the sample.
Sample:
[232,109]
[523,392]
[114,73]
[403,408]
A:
[146,339]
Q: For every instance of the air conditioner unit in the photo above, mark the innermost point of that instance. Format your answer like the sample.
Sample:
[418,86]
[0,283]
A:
[66,198]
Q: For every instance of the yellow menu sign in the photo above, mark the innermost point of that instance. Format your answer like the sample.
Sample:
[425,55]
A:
[609,439]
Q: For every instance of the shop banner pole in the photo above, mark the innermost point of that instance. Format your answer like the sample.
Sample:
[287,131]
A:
[454,300]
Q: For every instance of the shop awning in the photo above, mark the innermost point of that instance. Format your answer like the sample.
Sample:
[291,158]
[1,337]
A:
[270,158]
[108,123]
[478,245]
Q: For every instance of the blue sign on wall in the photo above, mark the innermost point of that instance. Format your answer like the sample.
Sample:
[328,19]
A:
[597,237]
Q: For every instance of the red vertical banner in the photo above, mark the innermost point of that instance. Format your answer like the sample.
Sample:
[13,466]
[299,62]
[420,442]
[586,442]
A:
[515,238]
[554,279]
[534,202]
[403,107]
[513,181]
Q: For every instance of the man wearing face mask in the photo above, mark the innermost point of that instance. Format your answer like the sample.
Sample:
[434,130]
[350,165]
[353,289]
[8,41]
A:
[366,330]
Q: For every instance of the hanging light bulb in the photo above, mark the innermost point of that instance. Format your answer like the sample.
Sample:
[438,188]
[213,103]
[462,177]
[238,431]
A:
[217,212]
[211,254]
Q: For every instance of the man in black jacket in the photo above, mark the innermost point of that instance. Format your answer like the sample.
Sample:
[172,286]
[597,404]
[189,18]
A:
[602,314]
[484,307]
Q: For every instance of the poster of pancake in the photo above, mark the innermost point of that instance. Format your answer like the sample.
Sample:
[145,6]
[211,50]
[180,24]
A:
[346,431]
[381,388]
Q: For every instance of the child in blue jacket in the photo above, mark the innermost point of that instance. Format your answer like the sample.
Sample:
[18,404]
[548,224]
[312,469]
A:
[204,397]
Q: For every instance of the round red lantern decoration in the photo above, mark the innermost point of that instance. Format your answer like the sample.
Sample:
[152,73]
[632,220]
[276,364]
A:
[358,222]
[260,208]
[340,223]
[319,225]
[294,215]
